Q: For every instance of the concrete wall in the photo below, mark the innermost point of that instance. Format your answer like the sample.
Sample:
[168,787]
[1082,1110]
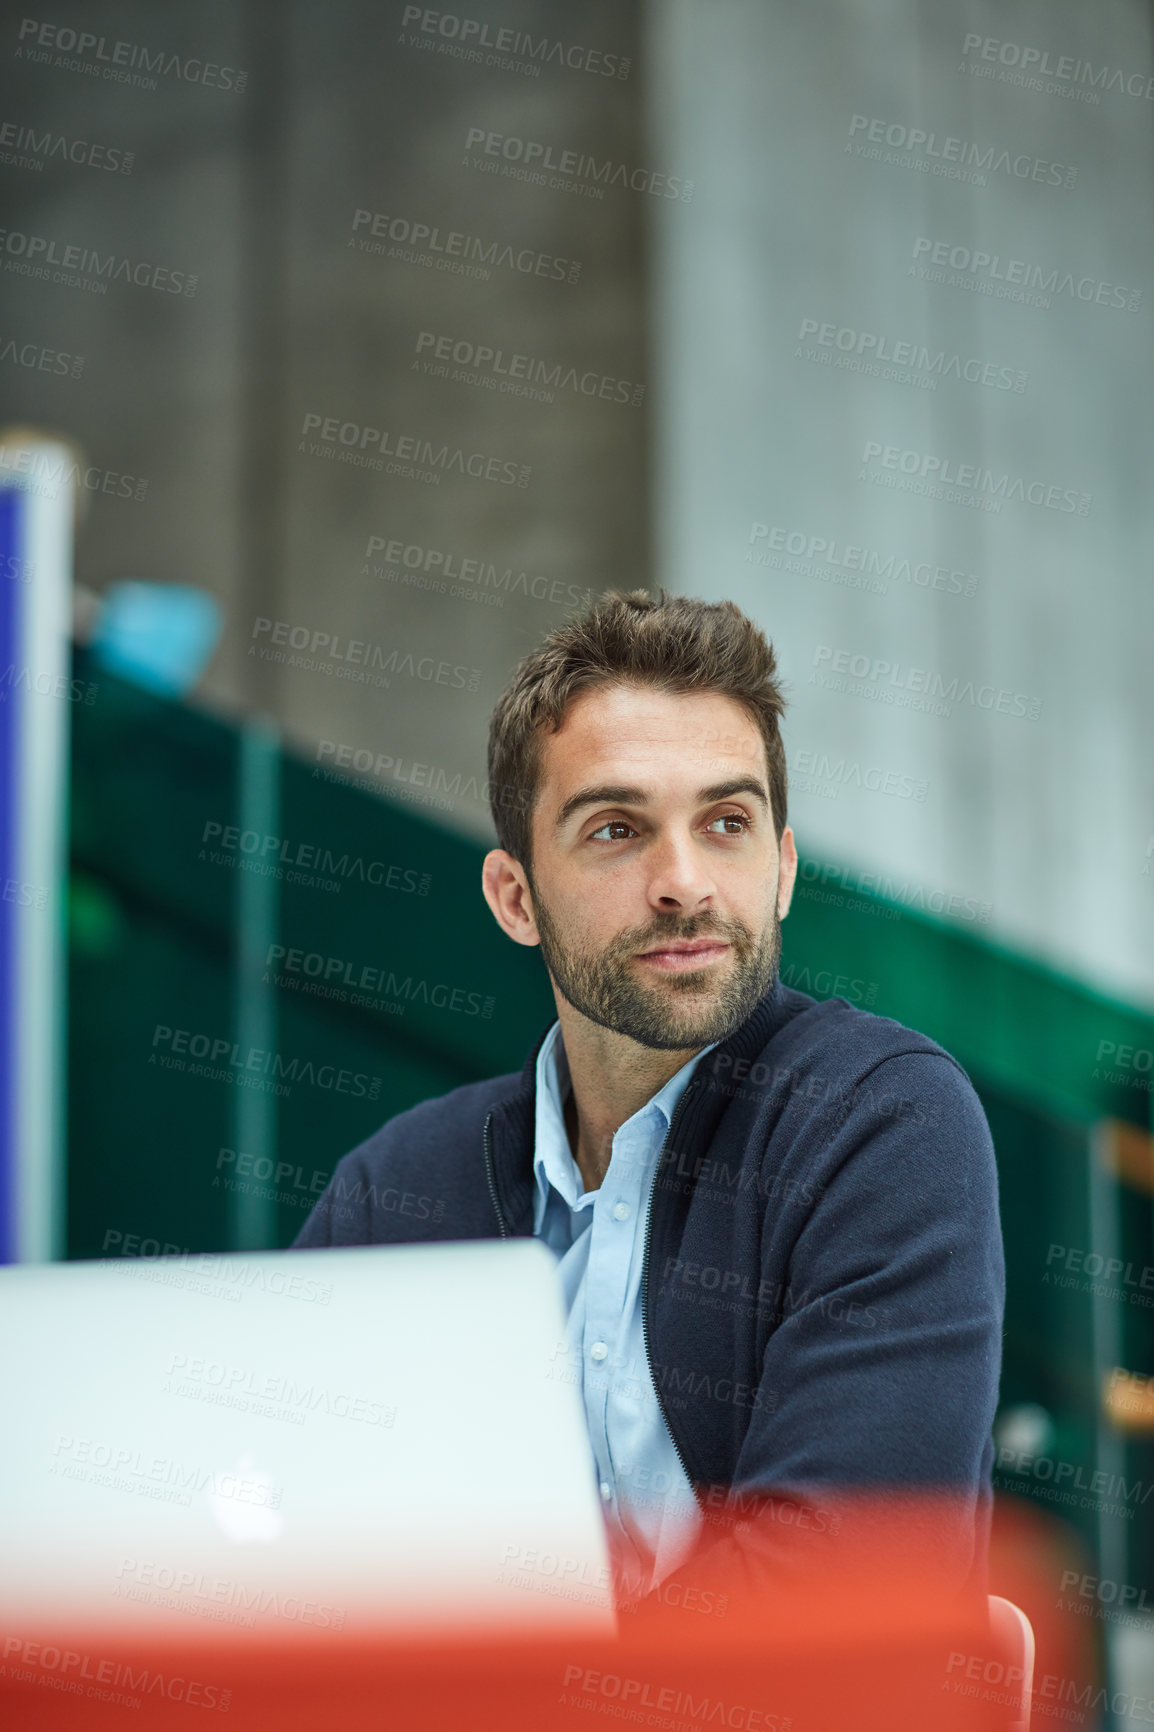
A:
[784,283]
[300,310]
[1030,803]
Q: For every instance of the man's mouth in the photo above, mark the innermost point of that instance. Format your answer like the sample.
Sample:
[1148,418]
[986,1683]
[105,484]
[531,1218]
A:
[681,955]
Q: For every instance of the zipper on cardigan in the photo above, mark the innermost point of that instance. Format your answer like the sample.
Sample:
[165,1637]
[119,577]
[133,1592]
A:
[491,1176]
[673,1124]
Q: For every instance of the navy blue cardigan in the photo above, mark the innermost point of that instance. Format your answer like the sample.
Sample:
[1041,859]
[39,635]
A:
[823,1284]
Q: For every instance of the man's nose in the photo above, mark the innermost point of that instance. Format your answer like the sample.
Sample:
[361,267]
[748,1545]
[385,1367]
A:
[680,878]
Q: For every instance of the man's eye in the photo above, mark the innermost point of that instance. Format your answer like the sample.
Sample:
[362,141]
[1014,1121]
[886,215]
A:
[617,824]
[736,818]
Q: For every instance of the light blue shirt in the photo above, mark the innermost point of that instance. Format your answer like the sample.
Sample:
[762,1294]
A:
[599,1237]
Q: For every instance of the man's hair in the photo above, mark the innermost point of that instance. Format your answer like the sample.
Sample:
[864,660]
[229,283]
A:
[671,643]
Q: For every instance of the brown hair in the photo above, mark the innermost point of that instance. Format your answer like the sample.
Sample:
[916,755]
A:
[673,643]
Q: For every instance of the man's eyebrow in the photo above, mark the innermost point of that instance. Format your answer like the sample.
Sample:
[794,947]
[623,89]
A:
[735,785]
[620,796]
[604,796]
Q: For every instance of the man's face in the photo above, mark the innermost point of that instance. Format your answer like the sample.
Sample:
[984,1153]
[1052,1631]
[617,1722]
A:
[657,884]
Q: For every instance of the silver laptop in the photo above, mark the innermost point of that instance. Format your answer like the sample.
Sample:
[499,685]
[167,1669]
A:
[380,1438]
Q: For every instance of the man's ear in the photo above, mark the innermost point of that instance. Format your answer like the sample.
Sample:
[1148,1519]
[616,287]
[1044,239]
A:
[506,890]
[787,874]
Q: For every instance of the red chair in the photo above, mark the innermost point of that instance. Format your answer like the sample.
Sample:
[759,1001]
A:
[1013,1635]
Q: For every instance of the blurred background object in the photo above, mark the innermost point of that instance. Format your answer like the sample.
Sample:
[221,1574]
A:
[157,635]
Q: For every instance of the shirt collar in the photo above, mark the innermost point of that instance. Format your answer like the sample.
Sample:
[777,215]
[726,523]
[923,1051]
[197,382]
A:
[553,1162]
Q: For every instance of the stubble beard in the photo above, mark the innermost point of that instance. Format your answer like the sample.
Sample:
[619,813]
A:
[675,1012]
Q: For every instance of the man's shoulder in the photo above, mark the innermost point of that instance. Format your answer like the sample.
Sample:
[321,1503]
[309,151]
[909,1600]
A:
[849,1040]
[836,1079]
[444,1127]
[830,1063]
[420,1176]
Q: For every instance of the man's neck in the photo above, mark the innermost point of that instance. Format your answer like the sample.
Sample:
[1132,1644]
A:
[612,1077]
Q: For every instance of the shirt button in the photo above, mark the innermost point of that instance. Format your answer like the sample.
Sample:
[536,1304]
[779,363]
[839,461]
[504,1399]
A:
[599,1351]
[621,1211]
[606,1490]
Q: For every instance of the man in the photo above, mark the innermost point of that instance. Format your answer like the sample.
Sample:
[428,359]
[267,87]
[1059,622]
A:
[776,1219]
